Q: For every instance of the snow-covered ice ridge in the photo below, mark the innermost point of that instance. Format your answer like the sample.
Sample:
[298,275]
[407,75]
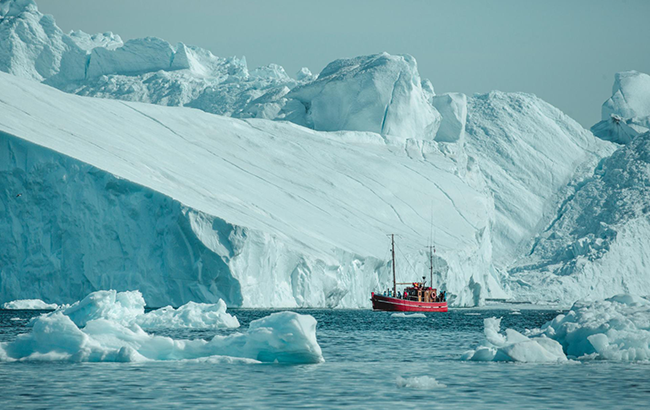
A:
[504,165]
[106,326]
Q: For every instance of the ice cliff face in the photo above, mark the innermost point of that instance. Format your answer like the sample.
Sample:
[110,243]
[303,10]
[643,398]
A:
[627,113]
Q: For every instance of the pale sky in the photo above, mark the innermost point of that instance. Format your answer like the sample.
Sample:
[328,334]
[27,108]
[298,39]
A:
[565,51]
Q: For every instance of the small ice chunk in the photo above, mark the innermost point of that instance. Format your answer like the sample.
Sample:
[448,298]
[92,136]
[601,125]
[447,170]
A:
[122,307]
[29,304]
[420,383]
[412,315]
[515,347]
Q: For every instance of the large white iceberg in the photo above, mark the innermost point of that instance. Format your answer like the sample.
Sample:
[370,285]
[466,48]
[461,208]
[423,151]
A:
[256,212]
[261,213]
[29,304]
[617,328]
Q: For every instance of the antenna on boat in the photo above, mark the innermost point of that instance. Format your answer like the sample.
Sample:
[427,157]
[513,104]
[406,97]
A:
[432,249]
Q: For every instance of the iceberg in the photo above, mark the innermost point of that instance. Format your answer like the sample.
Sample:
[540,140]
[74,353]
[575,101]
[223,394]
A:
[242,211]
[380,93]
[419,382]
[529,152]
[617,328]
[412,315]
[626,114]
[127,308]
[121,307]
[190,315]
[246,211]
[29,304]
[515,347]
[104,327]
[284,337]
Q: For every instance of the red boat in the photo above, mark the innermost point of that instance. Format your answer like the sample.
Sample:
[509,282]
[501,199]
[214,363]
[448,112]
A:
[403,305]
[415,298]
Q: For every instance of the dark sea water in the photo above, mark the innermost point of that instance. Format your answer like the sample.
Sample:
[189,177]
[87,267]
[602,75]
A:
[366,355]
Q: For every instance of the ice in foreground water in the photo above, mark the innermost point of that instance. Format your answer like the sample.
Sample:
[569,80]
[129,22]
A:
[412,315]
[420,383]
[106,326]
[617,328]
[29,304]
[284,337]
[128,308]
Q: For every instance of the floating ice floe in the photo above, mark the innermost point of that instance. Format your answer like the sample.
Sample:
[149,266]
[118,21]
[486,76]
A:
[617,328]
[105,336]
[421,382]
[514,346]
[190,315]
[128,308]
[29,304]
[413,315]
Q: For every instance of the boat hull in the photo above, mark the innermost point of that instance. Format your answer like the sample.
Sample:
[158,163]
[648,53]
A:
[389,304]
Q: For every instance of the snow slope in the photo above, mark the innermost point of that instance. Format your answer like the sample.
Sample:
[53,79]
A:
[185,205]
[597,246]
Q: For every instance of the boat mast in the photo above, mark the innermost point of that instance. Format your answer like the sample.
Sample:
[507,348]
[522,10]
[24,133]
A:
[432,249]
[392,250]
